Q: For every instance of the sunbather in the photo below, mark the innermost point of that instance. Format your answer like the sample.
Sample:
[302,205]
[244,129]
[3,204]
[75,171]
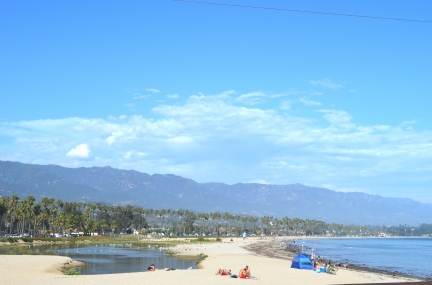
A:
[331,269]
[223,272]
[245,272]
[151,268]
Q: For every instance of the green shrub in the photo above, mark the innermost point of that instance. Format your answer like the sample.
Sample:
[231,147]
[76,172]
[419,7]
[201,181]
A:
[27,239]
[218,239]
[201,257]
[72,271]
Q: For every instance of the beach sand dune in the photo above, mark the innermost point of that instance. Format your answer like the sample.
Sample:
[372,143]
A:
[234,255]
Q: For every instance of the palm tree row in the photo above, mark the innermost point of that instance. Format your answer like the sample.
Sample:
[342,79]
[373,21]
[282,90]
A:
[49,215]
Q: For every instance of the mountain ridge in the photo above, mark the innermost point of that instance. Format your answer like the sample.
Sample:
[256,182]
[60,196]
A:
[111,185]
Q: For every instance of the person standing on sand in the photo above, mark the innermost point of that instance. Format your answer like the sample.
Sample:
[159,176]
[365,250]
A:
[244,235]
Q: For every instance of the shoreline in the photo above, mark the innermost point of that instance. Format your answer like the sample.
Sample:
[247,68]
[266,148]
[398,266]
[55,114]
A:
[269,261]
[296,249]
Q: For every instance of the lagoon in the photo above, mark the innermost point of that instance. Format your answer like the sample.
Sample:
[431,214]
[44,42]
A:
[108,259]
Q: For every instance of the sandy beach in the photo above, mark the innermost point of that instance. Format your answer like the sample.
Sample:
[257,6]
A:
[259,255]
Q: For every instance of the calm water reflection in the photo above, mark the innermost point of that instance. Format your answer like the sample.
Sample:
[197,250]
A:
[108,259]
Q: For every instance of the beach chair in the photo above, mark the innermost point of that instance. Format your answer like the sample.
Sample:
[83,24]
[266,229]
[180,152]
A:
[331,270]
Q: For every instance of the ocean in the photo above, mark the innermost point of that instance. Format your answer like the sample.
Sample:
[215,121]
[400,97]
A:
[410,256]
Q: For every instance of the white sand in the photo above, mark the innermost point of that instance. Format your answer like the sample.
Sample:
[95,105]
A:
[44,270]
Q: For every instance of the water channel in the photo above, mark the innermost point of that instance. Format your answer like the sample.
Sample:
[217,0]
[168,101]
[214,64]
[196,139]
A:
[108,259]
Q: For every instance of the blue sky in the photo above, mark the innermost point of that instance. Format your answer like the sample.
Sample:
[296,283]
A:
[223,94]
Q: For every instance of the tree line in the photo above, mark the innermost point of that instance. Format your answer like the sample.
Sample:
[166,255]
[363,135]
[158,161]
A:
[19,216]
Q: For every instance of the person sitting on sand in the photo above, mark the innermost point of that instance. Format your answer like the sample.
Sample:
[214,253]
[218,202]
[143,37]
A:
[151,268]
[223,272]
[346,265]
[245,272]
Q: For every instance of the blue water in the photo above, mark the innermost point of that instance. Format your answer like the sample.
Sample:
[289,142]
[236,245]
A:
[109,260]
[410,256]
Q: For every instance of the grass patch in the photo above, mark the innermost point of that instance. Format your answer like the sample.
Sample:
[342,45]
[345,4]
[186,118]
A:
[200,240]
[201,257]
[171,254]
[72,271]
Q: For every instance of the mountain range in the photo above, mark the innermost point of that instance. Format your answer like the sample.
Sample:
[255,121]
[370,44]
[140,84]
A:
[157,191]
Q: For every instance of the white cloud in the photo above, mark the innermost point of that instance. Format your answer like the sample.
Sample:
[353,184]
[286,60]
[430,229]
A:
[172,96]
[130,106]
[347,189]
[309,102]
[212,138]
[337,117]
[285,105]
[80,151]
[252,98]
[138,95]
[325,83]
[128,154]
[259,181]
[152,90]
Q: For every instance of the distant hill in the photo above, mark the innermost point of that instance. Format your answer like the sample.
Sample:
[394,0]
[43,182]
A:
[109,185]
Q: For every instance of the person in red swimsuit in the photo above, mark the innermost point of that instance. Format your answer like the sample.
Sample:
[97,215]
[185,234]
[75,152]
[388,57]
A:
[223,272]
[245,272]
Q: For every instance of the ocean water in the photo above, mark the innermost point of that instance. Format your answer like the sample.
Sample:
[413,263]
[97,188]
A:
[410,256]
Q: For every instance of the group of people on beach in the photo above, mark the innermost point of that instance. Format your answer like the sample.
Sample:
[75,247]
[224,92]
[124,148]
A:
[244,273]
[330,267]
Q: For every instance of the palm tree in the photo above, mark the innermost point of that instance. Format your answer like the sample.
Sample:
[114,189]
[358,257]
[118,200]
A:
[103,225]
[113,226]
[60,204]
[13,202]
[3,210]
[36,210]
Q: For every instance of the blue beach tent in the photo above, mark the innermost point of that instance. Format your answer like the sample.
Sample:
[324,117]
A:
[301,261]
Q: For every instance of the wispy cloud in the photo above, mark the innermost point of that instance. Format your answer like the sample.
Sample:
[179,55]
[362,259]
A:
[213,138]
[309,102]
[152,90]
[325,83]
[130,106]
[338,118]
[252,98]
[285,105]
[172,96]
[138,95]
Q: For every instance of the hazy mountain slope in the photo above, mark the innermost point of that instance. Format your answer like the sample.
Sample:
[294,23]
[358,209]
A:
[323,204]
[106,184]
[129,186]
[27,179]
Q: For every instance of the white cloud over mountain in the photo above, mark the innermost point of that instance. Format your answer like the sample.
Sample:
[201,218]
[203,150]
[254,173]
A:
[213,138]
[80,151]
